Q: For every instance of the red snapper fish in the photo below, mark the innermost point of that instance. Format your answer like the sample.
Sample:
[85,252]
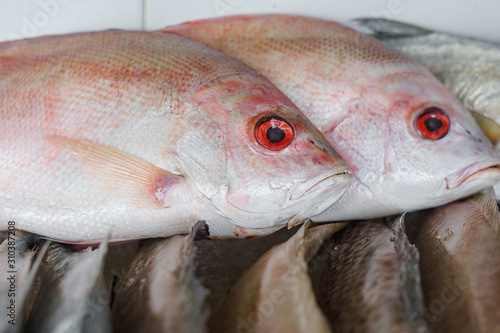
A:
[142,134]
[409,143]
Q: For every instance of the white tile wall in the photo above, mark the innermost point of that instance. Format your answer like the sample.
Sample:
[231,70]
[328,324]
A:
[28,18]
[480,18]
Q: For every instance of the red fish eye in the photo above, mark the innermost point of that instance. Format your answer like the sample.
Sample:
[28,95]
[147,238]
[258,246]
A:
[432,124]
[274,133]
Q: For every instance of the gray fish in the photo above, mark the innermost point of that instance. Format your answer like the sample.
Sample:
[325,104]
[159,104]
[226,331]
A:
[460,268]
[160,292]
[20,259]
[275,294]
[221,262]
[71,296]
[371,282]
[469,68]
[3,235]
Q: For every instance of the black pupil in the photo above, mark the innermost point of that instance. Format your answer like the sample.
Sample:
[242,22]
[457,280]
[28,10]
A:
[275,134]
[433,124]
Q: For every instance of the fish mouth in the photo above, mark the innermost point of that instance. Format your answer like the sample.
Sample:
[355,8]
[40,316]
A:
[487,170]
[339,181]
[302,200]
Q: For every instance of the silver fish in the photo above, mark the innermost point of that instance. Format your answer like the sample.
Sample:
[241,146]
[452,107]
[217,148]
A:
[160,292]
[19,262]
[20,257]
[72,296]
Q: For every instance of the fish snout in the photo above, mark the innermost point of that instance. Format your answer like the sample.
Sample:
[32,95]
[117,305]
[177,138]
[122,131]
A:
[335,183]
[485,172]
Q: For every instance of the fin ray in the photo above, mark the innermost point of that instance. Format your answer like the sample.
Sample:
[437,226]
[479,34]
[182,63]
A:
[133,179]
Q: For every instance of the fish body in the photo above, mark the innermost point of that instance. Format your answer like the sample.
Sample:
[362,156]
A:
[20,257]
[221,263]
[460,267]
[371,281]
[160,292]
[142,134]
[371,103]
[275,294]
[72,295]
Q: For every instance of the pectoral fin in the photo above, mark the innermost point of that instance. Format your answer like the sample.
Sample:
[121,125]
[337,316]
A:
[489,127]
[124,176]
[486,204]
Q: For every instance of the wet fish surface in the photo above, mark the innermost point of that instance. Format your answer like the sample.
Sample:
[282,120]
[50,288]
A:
[160,292]
[460,267]
[142,134]
[275,294]
[409,143]
[371,280]
[71,295]
[221,263]
[20,257]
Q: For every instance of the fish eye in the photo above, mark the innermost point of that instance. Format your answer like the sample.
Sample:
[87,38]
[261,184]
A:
[274,133]
[432,124]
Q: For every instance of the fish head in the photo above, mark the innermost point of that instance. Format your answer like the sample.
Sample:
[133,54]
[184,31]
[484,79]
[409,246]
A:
[421,148]
[277,167]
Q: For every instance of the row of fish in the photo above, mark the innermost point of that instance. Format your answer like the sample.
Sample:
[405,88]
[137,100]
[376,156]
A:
[365,276]
[128,135]
[116,136]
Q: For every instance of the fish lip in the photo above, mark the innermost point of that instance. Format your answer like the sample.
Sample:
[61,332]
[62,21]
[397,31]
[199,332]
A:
[337,179]
[473,171]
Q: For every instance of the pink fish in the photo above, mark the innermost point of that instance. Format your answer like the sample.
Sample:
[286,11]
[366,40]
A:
[409,143]
[142,134]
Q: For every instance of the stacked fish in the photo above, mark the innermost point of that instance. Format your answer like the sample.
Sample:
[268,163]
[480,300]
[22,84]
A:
[236,128]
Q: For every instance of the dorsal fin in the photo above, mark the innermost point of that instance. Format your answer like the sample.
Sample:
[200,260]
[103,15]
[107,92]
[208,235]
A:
[410,279]
[489,127]
[382,28]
